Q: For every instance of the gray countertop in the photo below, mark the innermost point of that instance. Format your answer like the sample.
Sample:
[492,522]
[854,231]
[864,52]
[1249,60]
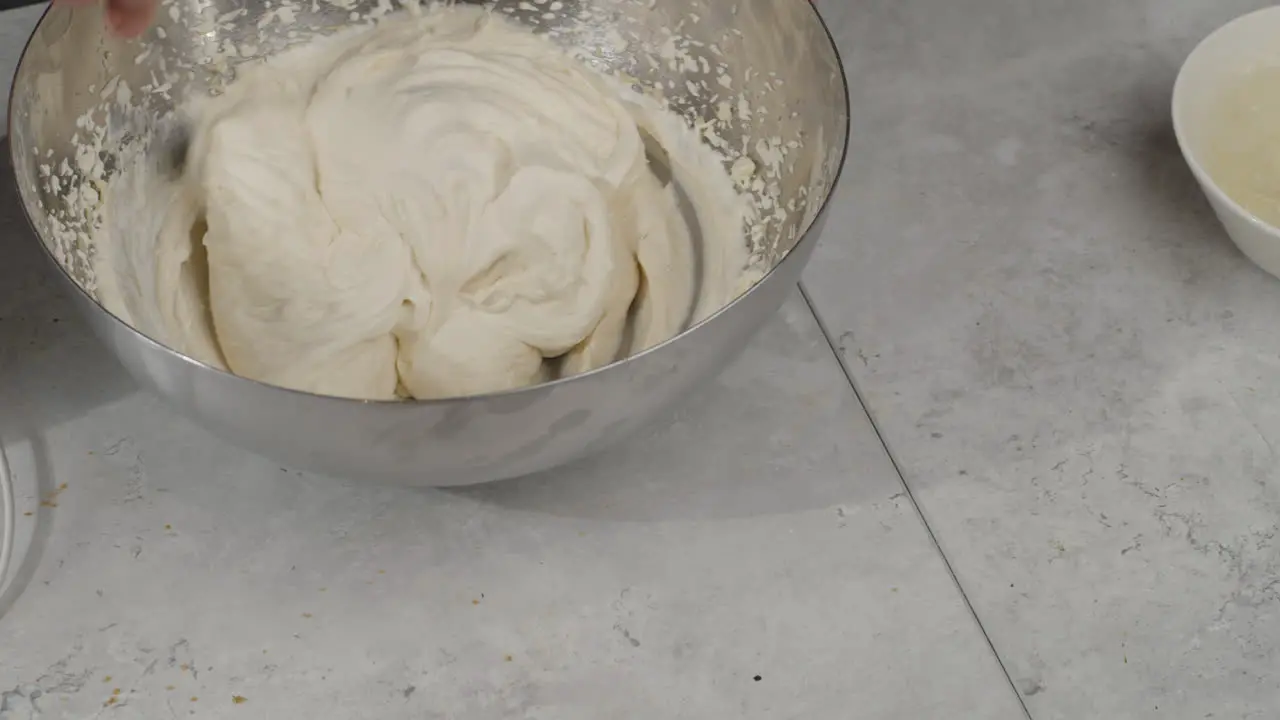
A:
[1074,371]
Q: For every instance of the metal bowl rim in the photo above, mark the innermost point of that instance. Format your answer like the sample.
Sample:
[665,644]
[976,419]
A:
[440,402]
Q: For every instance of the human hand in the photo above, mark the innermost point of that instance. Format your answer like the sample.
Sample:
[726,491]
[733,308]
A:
[126,18]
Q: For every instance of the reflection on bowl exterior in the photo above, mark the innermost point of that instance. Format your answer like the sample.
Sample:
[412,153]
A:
[777,53]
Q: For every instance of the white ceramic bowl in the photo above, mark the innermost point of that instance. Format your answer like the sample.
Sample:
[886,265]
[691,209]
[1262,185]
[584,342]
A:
[1227,54]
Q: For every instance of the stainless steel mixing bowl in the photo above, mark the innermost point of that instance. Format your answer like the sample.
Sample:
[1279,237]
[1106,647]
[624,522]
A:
[777,53]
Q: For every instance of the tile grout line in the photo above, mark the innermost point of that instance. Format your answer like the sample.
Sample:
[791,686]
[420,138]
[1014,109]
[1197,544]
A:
[893,460]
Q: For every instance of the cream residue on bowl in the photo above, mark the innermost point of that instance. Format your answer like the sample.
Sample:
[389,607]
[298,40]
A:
[441,205]
[114,218]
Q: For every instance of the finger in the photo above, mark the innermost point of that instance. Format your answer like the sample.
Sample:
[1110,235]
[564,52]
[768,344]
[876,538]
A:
[130,18]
